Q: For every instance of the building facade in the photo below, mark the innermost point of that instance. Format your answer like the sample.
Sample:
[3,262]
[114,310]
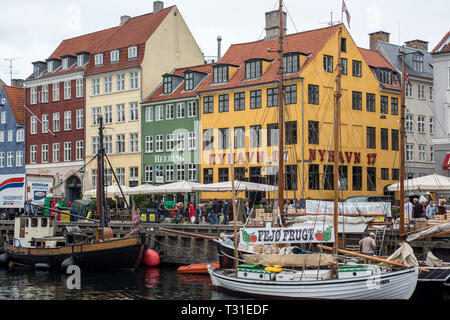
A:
[239,116]
[420,121]
[441,73]
[55,116]
[170,128]
[123,70]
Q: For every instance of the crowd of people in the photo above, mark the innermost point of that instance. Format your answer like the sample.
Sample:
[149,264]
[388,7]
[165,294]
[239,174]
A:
[420,209]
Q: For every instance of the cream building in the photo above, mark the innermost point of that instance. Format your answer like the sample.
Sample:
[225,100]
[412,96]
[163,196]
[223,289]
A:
[125,69]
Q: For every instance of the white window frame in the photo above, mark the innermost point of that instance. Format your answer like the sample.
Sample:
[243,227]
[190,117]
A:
[80,60]
[44,93]
[20,135]
[67,120]
[159,113]
[96,86]
[192,109]
[169,172]
[148,174]
[79,150]
[98,59]
[44,153]
[2,159]
[56,123]
[170,111]
[409,152]
[108,144]
[170,142]
[181,172]
[149,144]
[56,155]
[107,84]
[33,95]
[132,52]
[67,151]
[55,91]
[95,145]
[134,80]
[159,143]
[33,154]
[120,112]
[192,140]
[67,90]
[120,82]
[115,56]
[10,135]
[181,141]
[134,111]
[134,142]
[421,124]
[19,158]
[96,116]
[10,159]
[181,110]
[108,114]
[3,117]
[33,125]
[2,136]
[79,122]
[45,123]
[432,125]
[65,63]
[422,156]
[79,88]
[421,91]
[192,172]
[120,144]
[148,114]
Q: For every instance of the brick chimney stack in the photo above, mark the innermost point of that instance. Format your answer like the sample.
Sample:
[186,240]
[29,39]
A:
[417,44]
[378,35]
[273,24]
[157,6]
[17,83]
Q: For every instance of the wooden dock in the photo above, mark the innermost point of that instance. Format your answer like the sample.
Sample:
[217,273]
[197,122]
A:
[185,249]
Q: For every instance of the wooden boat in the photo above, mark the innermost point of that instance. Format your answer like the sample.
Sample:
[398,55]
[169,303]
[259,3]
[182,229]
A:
[36,245]
[197,268]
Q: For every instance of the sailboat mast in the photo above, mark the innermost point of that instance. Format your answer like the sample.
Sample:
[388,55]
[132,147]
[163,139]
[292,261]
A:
[337,122]
[402,147]
[101,178]
[280,116]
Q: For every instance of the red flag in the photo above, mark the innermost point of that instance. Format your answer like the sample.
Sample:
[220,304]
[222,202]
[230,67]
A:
[347,14]
[407,78]
[137,222]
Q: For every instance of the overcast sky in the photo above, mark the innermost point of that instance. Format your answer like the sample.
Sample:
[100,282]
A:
[30,30]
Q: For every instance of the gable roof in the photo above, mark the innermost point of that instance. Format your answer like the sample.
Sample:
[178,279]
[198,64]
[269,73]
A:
[307,42]
[16,99]
[443,45]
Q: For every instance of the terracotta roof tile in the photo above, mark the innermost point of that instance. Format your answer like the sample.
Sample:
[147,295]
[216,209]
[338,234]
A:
[375,59]
[16,98]
[445,48]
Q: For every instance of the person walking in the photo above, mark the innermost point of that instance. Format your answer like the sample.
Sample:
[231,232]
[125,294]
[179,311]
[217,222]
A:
[408,209]
[216,211]
[417,209]
[192,213]
[368,244]
[225,210]
[430,211]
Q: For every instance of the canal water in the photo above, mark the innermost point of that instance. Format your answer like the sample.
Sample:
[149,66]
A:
[163,283]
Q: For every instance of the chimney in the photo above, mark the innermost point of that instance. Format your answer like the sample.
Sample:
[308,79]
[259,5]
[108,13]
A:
[273,24]
[378,36]
[157,6]
[124,19]
[417,44]
[17,83]
[219,48]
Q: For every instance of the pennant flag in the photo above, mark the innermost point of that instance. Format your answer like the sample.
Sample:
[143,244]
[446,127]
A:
[407,78]
[347,14]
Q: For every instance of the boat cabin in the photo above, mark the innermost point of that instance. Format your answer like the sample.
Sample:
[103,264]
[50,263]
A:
[36,232]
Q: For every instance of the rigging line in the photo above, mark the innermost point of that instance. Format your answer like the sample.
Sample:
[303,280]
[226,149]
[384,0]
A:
[82,168]
[37,118]
[290,17]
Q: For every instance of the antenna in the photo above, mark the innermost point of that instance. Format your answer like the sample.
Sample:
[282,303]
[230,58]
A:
[331,22]
[11,67]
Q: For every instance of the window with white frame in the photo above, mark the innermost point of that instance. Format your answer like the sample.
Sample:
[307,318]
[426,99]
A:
[79,150]
[33,125]
[19,158]
[107,84]
[169,172]
[50,66]
[180,172]
[132,52]
[421,124]
[44,123]
[431,125]
[181,141]
[44,93]
[55,152]
[94,178]
[148,174]
[192,109]
[67,151]
[121,82]
[79,119]
[65,63]
[95,145]
[409,152]
[20,135]
[169,142]
[134,111]
[79,88]
[192,140]
[67,120]
[108,114]
[148,114]
[120,173]
[96,116]
[10,135]
[120,112]
[95,87]
[115,56]
[2,159]
[159,143]
[120,143]
[409,90]
[98,59]
[409,122]
[134,80]
[431,94]
[33,95]
[180,110]
[422,152]
[134,176]
[192,172]
[159,113]
[3,117]
[149,144]
[56,122]
[421,91]
[33,154]
[10,159]
[80,60]
[169,112]
[134,145]
[67,90]
[2,136]
[44,153]
[108,144]
[417,60]
[56,91]
[431,154]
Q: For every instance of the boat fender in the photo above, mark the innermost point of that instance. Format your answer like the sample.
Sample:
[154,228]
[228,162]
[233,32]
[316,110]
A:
[4,259]
[273,269]
[151,258]
[42,266]
[67,263]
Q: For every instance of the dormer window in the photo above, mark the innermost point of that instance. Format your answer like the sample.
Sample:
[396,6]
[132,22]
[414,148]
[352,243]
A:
[50,66]
[36,71]
[417,60]
[386,76]
[115,56]
[291,62]
[80,60]
[167,85]
[220,74]
[189,81]
[132,52]
[99,59]
[65,63]
[253,69]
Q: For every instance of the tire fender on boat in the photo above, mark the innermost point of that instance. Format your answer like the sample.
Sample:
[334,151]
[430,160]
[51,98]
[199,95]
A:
[42,266]
[4,259]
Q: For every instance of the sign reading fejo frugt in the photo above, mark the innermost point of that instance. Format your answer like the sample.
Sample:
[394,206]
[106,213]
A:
[302,234]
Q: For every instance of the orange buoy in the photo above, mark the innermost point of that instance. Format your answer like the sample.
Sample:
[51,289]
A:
[197,268]
[151,258]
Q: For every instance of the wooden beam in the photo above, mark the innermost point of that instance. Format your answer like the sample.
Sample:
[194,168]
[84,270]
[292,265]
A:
[201,236]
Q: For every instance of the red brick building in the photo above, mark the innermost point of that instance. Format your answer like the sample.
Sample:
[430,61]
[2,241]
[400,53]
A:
[54,113]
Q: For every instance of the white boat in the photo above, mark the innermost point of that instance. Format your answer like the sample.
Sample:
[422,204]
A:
[351,285]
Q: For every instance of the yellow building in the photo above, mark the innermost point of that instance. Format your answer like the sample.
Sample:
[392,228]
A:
[124,70]
[239,115]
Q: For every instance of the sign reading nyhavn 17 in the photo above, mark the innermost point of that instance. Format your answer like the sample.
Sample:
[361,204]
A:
[304,234]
